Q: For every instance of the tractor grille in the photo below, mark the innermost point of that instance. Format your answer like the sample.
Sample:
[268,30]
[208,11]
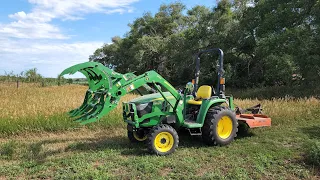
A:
[141,109]
[128,111]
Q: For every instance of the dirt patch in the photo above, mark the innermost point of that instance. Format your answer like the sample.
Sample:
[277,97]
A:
[165,171]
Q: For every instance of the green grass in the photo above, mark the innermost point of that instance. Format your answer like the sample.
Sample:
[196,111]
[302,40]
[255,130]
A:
[54,123]
[313,152]
[40,144]
[278,152]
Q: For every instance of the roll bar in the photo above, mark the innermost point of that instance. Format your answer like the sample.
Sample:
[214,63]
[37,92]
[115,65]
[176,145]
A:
[220,88]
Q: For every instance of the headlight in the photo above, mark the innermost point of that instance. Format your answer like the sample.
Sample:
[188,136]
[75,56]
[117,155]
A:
[144,108]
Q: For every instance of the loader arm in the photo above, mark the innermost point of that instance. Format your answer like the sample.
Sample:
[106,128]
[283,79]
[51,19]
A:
[106,87]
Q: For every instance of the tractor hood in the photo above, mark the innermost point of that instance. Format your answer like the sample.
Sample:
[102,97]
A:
[152,98]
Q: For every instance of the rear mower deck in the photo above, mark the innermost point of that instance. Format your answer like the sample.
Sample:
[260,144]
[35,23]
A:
[254,120]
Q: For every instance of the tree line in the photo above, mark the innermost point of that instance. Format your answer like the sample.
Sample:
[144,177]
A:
[266,43]
[32,76]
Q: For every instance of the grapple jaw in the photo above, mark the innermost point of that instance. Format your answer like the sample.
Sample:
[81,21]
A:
[101,97]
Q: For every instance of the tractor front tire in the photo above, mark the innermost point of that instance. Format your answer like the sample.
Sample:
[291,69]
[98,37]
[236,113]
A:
[137,136]
[220,126]
[162,140]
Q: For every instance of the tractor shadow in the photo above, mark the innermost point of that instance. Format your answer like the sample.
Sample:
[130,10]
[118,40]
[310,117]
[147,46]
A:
[244,131]
[119,143]
[122,144]
[101,142]
[186,140]
[36,151]
[39,152]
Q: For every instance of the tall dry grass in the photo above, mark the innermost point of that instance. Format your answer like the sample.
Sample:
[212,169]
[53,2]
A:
[284,107]
[31,108]
[33,101]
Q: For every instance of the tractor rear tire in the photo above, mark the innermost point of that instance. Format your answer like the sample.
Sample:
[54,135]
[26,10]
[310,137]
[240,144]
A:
[162,140]
[220,126]
[138,136]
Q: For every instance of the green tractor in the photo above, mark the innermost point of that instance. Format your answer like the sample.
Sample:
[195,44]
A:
[161,110]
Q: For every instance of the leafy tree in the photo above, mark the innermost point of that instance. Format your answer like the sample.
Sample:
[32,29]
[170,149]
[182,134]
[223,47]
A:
[32,75]
[265,42]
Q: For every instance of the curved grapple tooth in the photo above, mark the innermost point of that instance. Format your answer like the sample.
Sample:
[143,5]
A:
[85,107]
[77,67]
[99,79]
[88,107]
[93,79]
[71,70]
[106,108]
[87,99]
[88,76]
[94,111]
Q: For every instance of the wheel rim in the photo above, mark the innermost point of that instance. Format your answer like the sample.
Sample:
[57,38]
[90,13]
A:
[164,141]
[139,137]
[224,127]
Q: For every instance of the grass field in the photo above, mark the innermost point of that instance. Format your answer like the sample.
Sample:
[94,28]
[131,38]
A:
[34,109]
[38,140]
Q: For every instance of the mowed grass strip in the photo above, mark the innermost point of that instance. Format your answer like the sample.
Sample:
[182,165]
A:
[270,153]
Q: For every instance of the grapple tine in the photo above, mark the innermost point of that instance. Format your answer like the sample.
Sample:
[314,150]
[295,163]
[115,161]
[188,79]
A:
[87,99]
[88,107]
[83,109]
[106,109]
[72,69]
[89,77]
[91,114]
[96,81]
[95,110]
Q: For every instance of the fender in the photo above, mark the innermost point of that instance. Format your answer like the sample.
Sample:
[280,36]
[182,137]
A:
[206,104]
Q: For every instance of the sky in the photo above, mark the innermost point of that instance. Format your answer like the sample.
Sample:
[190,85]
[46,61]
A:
[52,35]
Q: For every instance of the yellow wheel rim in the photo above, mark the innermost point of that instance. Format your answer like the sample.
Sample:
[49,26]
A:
[164,141]
[224,127]
[139,138]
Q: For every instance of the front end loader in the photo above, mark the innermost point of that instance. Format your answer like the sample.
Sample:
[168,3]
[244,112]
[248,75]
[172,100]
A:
[156,116]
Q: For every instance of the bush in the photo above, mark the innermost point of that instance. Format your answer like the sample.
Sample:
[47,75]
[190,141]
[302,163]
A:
[313,153]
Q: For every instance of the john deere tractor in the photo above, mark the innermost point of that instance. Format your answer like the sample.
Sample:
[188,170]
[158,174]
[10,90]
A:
[161,110]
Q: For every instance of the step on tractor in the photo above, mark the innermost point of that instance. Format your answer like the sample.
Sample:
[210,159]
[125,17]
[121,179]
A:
[161,110]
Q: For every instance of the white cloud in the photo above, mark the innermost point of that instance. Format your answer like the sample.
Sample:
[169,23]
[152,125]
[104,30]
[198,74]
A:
[33,40]
[18,16]
[72,8]
[37,23]
[50,58]
[31,30]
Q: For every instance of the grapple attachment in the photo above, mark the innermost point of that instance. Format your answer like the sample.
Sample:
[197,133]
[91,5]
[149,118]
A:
[101,96]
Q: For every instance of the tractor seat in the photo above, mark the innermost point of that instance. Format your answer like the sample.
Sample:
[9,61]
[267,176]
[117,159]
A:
[204,92]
